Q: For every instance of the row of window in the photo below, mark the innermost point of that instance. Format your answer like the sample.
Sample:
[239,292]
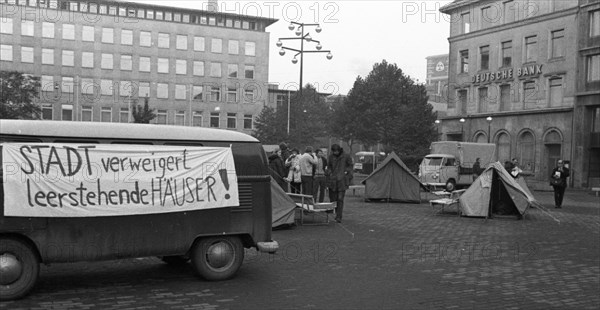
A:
[505,95]
[161,40]
[126,62]
[126,10]
[180,118]
[92,90]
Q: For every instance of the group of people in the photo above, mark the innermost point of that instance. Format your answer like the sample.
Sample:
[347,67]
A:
[310,173]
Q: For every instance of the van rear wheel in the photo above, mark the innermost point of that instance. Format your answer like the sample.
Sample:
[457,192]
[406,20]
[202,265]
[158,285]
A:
[19,268]
[217,258]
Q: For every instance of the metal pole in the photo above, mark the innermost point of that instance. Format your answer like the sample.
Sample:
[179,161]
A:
[190,106]
[288,114]
[301,57]
[489,129]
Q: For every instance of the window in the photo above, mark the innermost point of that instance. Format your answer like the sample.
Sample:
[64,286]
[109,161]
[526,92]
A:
[503,146]
[504,97]
[47,83]
[180,92]
[249,72]
[6,25]
[122,11]
[180,66]
[509,11]
[67,112]
[159,15]
[199,68]
[234,47]
[47,56]
[527,151]
[161,117]
[248,121]
[103,9]
[144,90]
[145,38]
[465,19]
[68,32]
[6,52]
[558,43]
[141,13]
[232,94]
[180,118]
[199,44]
[126,62]
[249,94]
[231,120]
[26,54]
[595,23]
[464,61]
[124,115]
[67,85]
[163,65]
[106,87]
[507,54]
[482,102]
[150,14]
[68,58]
[216,46]
[556,92]
[484,52]
[487,17]
[47,111]
[108,35]
[87,86]
[86,114]
[250,49]
[106,115]
[182,42]
[212,21]
[215,69]
[27,28]
[93,8]
[531,49]
[232,70]
[107,61]
[162,91]
[215,93]
[214,119]
[125,88]
[168,16]
[593,68]
[87,59]
[163,40]
[185,18]
[87,33]
[197,92]
[462,100]
[529,94]
[197,119]
[126,37]
[144,64]
[48,30]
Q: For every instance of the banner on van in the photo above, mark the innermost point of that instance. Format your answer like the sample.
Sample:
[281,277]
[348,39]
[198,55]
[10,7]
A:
[82,180]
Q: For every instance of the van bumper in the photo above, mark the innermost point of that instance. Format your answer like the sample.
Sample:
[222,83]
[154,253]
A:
[268,246]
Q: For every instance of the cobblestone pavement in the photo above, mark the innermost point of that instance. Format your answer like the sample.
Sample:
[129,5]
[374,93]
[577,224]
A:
[384,256]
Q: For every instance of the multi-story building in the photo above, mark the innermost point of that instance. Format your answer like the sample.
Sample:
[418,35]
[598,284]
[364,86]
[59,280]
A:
[98,58]
[437,83]
[512,80]
[587,109]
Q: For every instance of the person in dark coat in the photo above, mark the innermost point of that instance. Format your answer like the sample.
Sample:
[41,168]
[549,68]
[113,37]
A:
[558,181]
[476,169]
[340,176]
[277,169]
[285,154]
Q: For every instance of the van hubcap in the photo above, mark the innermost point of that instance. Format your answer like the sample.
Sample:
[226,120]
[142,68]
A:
[219,255]
[10,269]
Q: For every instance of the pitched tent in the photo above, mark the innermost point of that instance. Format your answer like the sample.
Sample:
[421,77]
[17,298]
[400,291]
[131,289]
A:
[283,206]
[392,180]
[496,192]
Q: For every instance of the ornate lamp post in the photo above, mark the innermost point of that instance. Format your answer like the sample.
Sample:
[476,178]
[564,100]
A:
[462,131]
[489,120]
[301,36]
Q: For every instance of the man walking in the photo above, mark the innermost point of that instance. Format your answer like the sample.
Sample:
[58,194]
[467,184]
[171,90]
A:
[558,180]
[340,175]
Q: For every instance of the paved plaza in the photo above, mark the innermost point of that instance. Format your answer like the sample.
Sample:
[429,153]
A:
[383,256]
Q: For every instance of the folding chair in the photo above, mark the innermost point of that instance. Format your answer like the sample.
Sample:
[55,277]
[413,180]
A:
[307,205]
[452,200]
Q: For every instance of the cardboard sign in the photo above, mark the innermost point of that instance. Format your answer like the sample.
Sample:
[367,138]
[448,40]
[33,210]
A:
[76,180]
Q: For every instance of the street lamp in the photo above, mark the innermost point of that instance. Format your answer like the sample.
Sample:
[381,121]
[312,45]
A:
[462,132]
[302,37]
[489,120]
[437,128]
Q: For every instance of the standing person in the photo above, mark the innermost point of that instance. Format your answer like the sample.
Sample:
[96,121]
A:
[476,169]
[285,154]
[516,170]
[307,161]
[340,175]
[320,183]
[277,169]
[558,180]
[293,164]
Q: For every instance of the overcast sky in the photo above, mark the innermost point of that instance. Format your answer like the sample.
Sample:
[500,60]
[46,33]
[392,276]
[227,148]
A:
[358,32]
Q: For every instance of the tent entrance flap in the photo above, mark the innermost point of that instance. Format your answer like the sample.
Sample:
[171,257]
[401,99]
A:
[501,202]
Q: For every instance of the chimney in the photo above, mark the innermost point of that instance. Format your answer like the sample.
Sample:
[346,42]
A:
[212,6]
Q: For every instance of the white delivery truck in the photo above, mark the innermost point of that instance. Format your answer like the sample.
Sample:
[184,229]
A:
[450,163]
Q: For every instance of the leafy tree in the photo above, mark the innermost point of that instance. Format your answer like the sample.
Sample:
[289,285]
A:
[142,115]
[17,95]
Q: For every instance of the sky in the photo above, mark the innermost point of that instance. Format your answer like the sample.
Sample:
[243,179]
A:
[359,34]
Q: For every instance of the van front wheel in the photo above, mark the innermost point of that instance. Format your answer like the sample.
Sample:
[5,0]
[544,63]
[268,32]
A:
[19,268]
[450,185]
[217,258]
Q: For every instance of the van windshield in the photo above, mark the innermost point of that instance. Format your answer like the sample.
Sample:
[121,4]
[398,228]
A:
[432,161]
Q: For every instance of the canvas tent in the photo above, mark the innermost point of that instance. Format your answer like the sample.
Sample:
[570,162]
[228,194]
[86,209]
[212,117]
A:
[496,192]
[283,206]
[392,180]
